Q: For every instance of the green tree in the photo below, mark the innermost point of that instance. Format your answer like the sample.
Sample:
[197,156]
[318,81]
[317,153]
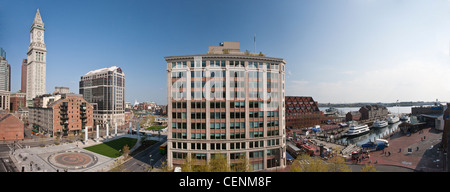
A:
[242,165]
[337,164]
[368,168]
[218,163]
[165,167]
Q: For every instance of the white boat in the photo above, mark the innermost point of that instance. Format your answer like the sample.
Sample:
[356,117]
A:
[393,119]
[404,118]
[386,142]
[379,124]
[355,130]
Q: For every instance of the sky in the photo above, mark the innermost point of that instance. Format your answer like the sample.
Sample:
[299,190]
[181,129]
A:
[337,51]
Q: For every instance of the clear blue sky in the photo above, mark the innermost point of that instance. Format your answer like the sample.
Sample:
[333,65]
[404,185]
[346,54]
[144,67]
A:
[336,51]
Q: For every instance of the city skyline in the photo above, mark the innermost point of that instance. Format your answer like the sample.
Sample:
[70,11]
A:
[338,51]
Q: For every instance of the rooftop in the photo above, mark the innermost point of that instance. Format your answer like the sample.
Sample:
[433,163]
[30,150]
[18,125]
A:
[102,70]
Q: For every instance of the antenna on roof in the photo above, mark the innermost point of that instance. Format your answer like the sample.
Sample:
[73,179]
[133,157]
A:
[254,44]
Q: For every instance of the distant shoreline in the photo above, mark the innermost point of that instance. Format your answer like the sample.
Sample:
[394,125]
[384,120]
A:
[400,104]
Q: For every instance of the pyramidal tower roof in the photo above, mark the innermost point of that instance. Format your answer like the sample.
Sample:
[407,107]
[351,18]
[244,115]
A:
[38,19]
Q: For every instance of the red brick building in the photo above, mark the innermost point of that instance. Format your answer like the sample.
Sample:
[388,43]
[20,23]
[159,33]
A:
[353,116]
[17,100]
[66,116]
[11,128]
[303,112]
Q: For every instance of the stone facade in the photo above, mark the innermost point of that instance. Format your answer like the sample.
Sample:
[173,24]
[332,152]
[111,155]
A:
[37,60]
[105,90]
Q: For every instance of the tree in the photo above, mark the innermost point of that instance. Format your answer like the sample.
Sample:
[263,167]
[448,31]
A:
[165,167]
[218,163]
[305,163]
[368,168]
[125,151]
[242,165]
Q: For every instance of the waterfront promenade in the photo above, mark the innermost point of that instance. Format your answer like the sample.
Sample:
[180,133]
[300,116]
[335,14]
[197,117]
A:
[424,154]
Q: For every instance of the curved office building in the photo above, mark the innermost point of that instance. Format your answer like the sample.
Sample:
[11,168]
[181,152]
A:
[226,102]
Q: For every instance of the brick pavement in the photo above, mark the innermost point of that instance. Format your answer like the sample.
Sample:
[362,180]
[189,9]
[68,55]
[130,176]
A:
[426,158]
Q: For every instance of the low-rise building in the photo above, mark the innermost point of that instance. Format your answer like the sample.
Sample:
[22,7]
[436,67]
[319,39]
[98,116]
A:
[303,112]
[68,115]
[373,112]
[17,100]
[11,127]
[4,100]
[353,116]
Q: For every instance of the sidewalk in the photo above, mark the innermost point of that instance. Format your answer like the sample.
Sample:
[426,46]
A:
[424,154]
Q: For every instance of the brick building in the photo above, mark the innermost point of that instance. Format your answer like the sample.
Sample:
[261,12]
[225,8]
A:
[11,128]
[353,116]
[62,117]
[17,100]
[303,112]
[373,112]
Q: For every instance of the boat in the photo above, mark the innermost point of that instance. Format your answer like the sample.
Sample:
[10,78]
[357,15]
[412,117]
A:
[384,141]
[404,118]
[356,130]
[331,110]
[393,119]
[343,125]
[373,146]
[379,124]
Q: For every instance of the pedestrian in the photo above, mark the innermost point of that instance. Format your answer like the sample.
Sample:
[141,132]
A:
[417,148]
[400,150]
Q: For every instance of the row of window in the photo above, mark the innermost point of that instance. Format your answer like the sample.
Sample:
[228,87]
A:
[223,146]
[256,165]
[222,136]
[222,115]
[218,105]
[221,63]
[222,74]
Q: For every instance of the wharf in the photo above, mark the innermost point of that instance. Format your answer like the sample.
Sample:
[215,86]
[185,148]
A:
[424,153]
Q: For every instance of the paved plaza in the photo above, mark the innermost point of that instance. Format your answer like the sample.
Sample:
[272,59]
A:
[418,151]
[64,157]
[70,157]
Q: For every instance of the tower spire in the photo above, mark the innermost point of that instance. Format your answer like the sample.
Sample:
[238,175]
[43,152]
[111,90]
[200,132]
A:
[38,19]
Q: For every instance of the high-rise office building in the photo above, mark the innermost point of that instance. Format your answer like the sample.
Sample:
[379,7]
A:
[226,102]
[37,60]
[5,72]
[5,81]
[105,90]
[23,88]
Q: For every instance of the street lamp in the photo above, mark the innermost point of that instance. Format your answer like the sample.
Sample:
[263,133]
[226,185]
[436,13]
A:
[151,160]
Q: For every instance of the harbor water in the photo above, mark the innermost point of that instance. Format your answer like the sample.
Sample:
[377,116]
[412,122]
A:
[374,133]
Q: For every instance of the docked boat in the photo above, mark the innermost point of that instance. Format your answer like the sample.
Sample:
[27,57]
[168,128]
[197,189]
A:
[393,119]
[356,130]
[404,118]
[379,124]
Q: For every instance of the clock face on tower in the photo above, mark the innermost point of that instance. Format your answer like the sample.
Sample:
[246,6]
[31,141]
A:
[39,33]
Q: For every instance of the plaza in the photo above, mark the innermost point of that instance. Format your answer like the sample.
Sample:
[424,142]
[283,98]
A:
[70,157]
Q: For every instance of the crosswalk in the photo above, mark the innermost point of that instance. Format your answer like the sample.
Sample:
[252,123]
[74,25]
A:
[15,146]
[307,162]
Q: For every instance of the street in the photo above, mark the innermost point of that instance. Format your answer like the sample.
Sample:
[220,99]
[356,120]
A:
[141,161]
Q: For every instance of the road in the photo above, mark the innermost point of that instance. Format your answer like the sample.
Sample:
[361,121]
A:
[141,161]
